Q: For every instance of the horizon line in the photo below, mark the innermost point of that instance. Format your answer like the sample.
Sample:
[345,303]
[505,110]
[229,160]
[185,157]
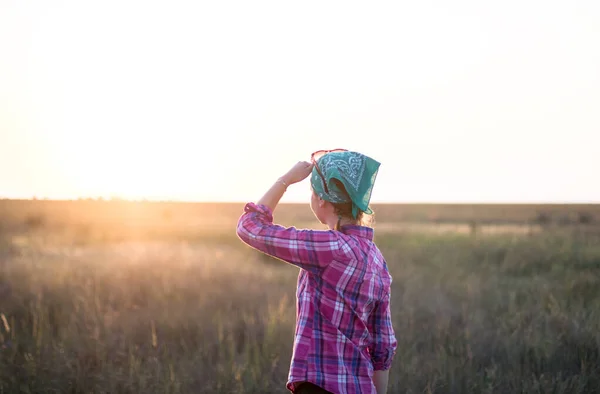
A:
[400,202]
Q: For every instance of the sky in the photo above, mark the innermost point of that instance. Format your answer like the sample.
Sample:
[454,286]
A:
[462,101]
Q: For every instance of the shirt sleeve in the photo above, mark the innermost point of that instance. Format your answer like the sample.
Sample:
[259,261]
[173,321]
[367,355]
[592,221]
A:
[311,250]
[384,344]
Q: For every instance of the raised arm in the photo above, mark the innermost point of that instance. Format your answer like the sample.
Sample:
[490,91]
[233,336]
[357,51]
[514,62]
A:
[297,173]
[308,249]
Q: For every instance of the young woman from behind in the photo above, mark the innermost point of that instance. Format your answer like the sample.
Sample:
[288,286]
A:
[344,340]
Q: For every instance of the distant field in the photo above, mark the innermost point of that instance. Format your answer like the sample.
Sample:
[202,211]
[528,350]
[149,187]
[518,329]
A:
[162,218]
[116,297]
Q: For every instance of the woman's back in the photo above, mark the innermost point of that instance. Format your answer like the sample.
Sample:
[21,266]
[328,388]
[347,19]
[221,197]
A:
[356,281]
[343,330]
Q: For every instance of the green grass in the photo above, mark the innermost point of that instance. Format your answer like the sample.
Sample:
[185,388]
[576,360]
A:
[494,314]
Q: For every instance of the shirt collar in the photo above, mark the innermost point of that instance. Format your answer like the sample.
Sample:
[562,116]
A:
[359,231]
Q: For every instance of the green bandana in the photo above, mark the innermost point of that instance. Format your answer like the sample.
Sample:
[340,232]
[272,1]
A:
[355,171]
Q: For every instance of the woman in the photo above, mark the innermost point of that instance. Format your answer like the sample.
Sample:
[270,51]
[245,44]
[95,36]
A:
[344,340]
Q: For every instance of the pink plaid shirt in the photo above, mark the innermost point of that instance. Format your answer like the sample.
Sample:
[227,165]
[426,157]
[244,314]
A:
[343,324]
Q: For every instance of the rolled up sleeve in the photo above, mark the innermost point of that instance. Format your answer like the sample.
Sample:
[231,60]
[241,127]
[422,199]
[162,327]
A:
[384,345]
[308,249]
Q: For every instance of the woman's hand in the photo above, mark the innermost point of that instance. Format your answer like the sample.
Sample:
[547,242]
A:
[298,172]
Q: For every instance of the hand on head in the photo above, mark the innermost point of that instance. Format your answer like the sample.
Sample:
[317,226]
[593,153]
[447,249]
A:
[298,172]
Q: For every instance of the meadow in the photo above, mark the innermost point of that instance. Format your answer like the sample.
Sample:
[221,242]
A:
[126,297]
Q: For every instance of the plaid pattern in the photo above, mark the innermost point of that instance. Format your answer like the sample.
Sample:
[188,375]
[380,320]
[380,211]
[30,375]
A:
[343,324]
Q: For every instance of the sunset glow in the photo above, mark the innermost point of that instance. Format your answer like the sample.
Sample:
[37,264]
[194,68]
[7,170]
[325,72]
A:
[212,101]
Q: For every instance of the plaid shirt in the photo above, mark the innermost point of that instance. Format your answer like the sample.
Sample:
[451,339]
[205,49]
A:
[343,324]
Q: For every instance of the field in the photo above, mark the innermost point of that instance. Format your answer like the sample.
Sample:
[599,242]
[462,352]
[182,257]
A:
[124,297]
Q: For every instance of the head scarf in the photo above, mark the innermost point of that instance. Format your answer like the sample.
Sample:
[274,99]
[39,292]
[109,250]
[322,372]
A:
[354,170]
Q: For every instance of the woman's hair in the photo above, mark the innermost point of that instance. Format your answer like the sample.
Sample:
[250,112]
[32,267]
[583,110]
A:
[344,210]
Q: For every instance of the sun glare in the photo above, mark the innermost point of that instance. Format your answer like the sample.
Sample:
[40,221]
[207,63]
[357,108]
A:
[205,101]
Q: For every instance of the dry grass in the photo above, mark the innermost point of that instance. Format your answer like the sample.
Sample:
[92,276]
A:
[131,309]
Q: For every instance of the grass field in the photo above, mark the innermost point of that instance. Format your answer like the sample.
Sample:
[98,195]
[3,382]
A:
[116,297]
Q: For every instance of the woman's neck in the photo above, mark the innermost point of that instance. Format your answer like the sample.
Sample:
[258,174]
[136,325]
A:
[332,222]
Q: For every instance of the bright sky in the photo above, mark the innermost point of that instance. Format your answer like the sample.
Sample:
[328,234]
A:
[462,101]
